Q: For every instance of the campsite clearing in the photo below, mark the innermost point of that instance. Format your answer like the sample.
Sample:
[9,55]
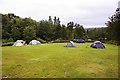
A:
[56,61]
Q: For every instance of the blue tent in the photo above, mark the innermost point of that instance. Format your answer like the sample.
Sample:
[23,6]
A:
[81,41]
[97,44]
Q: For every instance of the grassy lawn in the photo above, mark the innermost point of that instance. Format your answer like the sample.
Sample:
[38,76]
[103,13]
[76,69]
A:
[56,61]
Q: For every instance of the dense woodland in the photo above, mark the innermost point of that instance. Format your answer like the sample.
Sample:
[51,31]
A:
[17,28]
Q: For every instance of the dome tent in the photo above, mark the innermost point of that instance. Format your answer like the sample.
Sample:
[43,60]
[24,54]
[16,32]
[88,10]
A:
[81,41]
[34,42]
[70,44]
[97,44]
[19,43]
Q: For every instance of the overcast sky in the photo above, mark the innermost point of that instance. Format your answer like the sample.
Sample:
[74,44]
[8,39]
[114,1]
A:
[89,13]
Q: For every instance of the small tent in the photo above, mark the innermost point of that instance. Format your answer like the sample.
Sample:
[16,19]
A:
[81,41]
[70,44]
[89,40]
[34,42]
[97,44]
[19,43]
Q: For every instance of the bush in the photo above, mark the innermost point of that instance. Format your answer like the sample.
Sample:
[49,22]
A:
[8,44]
[41,40]
[4,40]
[74,40]
[59,40]
[113,42]
[7,40]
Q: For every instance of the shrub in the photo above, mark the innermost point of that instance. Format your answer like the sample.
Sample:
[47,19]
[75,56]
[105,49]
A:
[41,40]
[8,44]
[7,40]
[60,40]
[74,40]
[113,42]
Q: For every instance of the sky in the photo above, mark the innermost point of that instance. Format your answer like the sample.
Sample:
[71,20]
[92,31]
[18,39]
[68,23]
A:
[89,13]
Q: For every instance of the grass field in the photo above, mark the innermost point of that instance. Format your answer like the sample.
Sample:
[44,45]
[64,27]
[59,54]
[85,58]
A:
[56,61]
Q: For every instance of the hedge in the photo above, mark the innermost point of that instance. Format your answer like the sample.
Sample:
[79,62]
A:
[8,44]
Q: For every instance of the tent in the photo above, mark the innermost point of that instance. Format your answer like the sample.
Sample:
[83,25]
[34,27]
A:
[97,44]
[70,44]
[81,41]
[89,40]
[19,43]
[34,42]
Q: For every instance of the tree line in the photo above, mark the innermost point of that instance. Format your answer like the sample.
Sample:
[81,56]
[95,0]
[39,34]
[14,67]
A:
[16,28]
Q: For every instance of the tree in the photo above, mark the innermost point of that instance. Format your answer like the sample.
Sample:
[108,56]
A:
[55,20]
[57,28]
[6,23]
[29,33]
[63,32]
[17,30]
[57,31]
[114,26]
[50,20]
[15,33]
[45,30]
[11,27]
[5,34]
[70,27]
[58,21]
[79,31]
[92,33]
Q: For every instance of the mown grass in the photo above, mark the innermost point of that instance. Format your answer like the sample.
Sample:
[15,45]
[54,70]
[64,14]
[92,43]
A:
[56,61]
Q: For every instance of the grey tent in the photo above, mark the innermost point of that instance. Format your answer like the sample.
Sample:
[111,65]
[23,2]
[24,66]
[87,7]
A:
[19,43]
[70,44]
[81,41]
[34,42]
[97,44]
